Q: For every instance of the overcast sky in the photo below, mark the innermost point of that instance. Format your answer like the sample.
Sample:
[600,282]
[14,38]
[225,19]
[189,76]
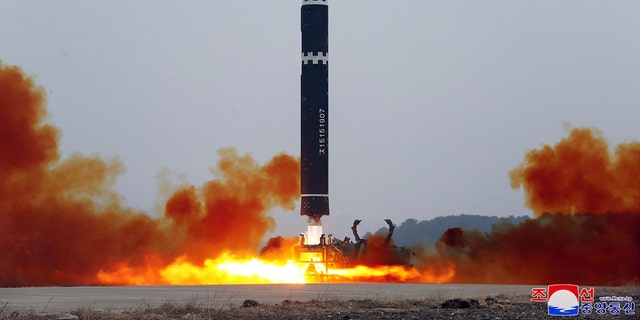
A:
[431,103]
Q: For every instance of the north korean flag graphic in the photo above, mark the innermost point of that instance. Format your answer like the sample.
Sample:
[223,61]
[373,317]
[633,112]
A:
[563,300]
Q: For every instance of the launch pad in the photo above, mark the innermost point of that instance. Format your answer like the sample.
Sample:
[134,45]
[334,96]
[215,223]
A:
[316,253]
[317,261]
[320,261]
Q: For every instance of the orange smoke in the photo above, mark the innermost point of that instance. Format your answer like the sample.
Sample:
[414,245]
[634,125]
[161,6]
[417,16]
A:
[585,249]
[228,213]
[61,222]
[580,175]
[593,235]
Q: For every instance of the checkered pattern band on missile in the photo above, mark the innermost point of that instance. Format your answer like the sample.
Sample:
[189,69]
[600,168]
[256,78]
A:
[315,57]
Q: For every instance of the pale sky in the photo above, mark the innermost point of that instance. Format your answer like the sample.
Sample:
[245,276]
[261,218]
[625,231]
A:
[431,103]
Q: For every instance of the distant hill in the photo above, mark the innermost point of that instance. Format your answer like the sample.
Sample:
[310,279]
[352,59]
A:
[413,232]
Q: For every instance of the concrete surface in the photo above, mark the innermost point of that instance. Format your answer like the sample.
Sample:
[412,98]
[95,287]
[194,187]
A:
[65,299]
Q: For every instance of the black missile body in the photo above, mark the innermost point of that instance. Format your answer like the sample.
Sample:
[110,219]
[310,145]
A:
[314,88]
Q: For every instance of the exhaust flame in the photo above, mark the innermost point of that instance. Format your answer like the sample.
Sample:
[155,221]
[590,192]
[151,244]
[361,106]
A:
[230,270]
[395,273]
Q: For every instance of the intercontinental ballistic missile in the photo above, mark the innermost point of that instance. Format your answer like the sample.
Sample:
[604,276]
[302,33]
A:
[314,105]
[318,253]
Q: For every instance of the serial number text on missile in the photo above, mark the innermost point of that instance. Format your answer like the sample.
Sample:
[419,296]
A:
[322,131]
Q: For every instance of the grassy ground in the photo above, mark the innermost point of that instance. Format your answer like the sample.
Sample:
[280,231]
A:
[495,307]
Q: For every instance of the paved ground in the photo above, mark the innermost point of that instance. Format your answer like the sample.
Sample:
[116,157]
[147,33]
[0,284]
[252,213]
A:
[66,299]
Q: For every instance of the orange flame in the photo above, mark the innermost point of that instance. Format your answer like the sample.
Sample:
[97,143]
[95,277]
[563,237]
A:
[395,273]
[228,269]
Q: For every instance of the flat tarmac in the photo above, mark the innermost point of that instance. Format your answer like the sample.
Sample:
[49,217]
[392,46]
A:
[53,300]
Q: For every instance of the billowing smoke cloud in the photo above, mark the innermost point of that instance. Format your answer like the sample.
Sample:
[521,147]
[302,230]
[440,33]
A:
[580,175]
[62,223]
[585,249]
[587,230]
[229,213]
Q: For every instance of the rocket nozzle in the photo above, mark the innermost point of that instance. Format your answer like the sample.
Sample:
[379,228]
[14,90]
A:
[314,230]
